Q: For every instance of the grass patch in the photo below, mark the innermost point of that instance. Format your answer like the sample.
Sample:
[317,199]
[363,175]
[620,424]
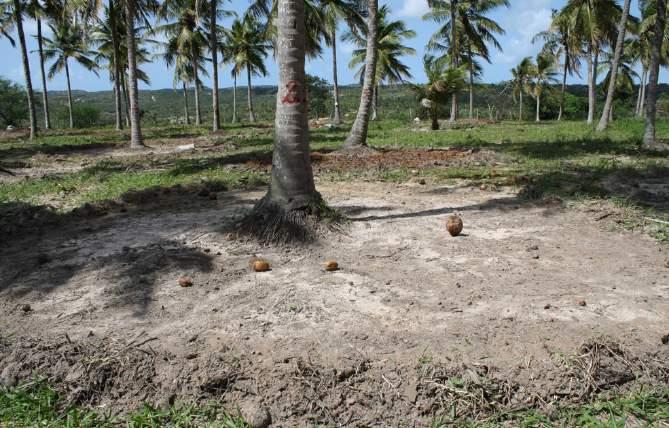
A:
[37,405]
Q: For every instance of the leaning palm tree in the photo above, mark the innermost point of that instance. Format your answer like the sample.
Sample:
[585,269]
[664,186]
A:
[542,75]
[247,49]
[595,21]
[291,202]
[389,67]
[522,74]
[563,43]
[624,76]
[656,59]
[358,135]
[618,53]
[443,82]
[67,42]
[16,10]
[335,11]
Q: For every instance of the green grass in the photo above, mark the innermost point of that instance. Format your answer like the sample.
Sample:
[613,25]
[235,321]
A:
[37,405]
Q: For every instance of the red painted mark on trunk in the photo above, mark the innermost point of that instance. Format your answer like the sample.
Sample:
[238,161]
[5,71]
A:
[292,93]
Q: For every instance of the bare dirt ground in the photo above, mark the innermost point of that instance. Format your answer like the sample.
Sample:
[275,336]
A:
[533,305]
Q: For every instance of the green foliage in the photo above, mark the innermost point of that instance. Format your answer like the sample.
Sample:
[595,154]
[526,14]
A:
[84,117]
[13,104]
[319,96]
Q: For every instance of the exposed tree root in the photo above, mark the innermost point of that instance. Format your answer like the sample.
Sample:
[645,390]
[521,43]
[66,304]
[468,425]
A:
[272,223]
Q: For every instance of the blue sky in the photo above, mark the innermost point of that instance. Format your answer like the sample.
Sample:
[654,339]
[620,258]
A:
[522,21]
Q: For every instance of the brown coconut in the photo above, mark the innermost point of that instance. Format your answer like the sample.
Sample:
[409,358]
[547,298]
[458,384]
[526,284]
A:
[260,265]
[185,281]
[331,266]
[454,225]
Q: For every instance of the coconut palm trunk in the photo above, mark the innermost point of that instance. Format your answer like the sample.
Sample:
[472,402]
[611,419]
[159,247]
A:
[654,72]
[454,56]
[249,95]
[538,119]
[234,99]
[644,86]
[520,113]
[185,91]
[620,42]
[375,104]
[196,90]
[116,57]
[45,97]
[126,98]
[18,19]
[637,108]
[471,85]
[591,84]
[358,136]
[69,94]
[563,89]
[213,43]
[292,194]
[335,80]
[136,140]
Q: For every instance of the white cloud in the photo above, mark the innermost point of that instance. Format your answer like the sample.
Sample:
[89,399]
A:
[523,22]
[414,8]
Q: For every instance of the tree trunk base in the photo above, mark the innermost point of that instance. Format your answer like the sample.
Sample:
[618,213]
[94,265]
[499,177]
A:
[273,223]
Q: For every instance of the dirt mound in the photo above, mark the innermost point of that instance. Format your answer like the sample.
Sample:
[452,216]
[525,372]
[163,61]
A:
[120,375]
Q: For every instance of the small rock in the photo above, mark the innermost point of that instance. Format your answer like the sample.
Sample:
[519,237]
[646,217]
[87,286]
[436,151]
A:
[533,248]
[548,306]
[10,376]
[331,266]
[411,391]
[26,308]
[185,281]
[665,339]
[582,303]
[422,182]
[256,416]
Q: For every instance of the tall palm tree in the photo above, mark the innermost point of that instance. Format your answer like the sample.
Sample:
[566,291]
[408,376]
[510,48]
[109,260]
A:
[67,42]
[522,74]
[442,83]
[211,14]
[357,138]
[186,40]
[645,40]
[247,49]
[562,42]
[335,11]
[656,59]
[475,32]
[38,11]
[624,76]
[389,67]
[292,197]
[596,22]
[618,53]
[16,10]
[542,75]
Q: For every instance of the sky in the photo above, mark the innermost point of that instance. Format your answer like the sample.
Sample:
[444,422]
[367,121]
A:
[522,20]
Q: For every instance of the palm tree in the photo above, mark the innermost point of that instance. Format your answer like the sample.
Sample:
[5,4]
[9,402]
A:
[16,10]
[624,76]
[292,197]
[358,136]
[67,42]
[656,58]
[443,82]
[643,50]
[38,11]
[522,74]
[247,49]
[474,33]
[561,41]
[389,67]
[542,75]
[210,24]
[335,11]
[595,21]
[618,53]
[186,40]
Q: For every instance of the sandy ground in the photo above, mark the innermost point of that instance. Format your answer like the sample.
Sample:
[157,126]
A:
[369,345]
